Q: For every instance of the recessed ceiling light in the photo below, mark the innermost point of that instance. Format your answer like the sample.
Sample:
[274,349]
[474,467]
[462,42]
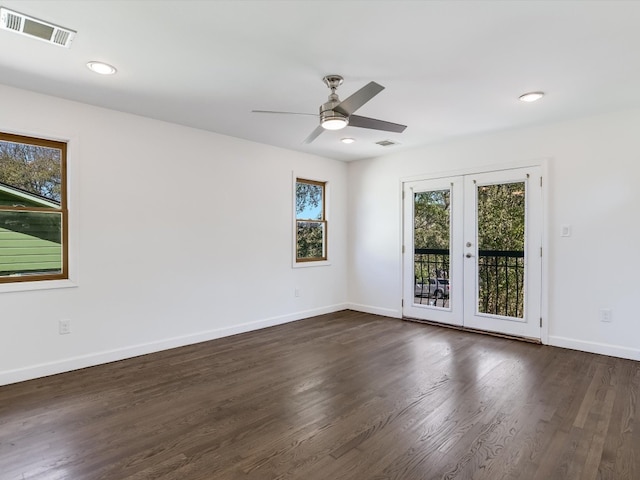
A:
[347,140]
[531,96]
[102,68]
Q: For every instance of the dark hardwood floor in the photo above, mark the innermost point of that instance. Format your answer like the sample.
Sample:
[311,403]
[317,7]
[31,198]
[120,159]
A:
[341,396]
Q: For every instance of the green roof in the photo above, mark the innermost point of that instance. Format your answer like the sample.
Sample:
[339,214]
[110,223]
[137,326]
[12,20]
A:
[17,197]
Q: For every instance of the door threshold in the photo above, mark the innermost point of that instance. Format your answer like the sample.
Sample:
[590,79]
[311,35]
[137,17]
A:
[536,341]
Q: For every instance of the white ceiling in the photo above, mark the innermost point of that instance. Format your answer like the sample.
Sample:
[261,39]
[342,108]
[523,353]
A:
[450,68]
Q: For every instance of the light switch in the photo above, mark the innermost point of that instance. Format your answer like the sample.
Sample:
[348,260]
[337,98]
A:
[565,231]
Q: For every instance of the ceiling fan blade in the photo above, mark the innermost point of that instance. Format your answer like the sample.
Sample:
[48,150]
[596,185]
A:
[285,113]
[366,122]
[314,134]
[358,99]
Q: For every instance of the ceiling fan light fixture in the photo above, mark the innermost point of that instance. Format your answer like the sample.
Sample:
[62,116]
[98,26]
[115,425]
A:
[531,96]
[334,123]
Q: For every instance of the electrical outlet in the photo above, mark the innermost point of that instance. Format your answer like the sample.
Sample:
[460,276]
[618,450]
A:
[64,327]
[605,315]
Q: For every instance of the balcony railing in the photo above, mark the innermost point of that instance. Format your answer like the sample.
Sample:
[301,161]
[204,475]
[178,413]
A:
[500,278]
[430,263]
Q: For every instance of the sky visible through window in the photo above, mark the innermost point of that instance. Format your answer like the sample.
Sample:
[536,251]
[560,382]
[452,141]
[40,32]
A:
[309,201]
[311,212]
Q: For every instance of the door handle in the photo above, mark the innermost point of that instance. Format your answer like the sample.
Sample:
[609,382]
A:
[469,255]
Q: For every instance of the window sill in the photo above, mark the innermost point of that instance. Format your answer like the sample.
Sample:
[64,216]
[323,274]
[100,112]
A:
[36,285]
[319,263]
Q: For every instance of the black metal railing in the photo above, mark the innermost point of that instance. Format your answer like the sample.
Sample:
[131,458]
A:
[431,264]
[500,280]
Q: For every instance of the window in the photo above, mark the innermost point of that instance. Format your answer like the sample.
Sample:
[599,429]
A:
[33,209]
[311,221]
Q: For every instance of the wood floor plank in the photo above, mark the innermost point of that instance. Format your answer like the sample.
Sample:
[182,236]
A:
[345,396]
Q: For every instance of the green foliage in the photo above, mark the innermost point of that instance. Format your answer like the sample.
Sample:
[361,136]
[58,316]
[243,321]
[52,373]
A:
[32,168]
[431,227]
[501,217]
[310,240]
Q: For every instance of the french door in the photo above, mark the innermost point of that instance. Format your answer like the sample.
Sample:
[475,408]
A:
[472,251]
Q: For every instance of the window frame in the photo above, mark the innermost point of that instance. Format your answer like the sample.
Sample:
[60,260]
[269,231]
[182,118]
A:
[311,261]
[47,280]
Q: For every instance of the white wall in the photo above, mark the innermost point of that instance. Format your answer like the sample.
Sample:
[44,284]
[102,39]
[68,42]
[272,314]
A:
[164,215]
[183,235]
[592,184]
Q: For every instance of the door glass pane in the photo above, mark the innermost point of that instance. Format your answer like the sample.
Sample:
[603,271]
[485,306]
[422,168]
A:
[501,234]
[431,247]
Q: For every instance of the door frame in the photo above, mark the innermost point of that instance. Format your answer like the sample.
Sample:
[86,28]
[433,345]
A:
[542,163]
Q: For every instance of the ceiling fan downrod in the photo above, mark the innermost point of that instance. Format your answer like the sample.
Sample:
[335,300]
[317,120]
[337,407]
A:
[330,119]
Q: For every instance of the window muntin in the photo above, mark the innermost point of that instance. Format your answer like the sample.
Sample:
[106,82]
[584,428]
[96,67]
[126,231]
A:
[33,209]
[311,222]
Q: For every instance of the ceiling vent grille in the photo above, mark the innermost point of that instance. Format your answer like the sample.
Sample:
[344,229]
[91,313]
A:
[385,143]
[34,28]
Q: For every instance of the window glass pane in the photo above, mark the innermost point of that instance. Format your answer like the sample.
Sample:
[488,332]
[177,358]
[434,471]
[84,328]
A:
[30,175]
[311,225]
[30,243]
[32,209]
[310,240]
[432,245]
[309,201]
[501,262]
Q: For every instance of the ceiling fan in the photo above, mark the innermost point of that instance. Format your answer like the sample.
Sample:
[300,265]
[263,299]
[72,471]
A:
[336,114]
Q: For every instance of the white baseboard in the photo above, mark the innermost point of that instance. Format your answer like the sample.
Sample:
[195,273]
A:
[595,347]
[563,342]
[83,361]
[90,360]
[385,312]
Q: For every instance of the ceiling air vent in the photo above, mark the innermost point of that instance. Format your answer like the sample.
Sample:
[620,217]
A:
[385,143]
[34,28]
